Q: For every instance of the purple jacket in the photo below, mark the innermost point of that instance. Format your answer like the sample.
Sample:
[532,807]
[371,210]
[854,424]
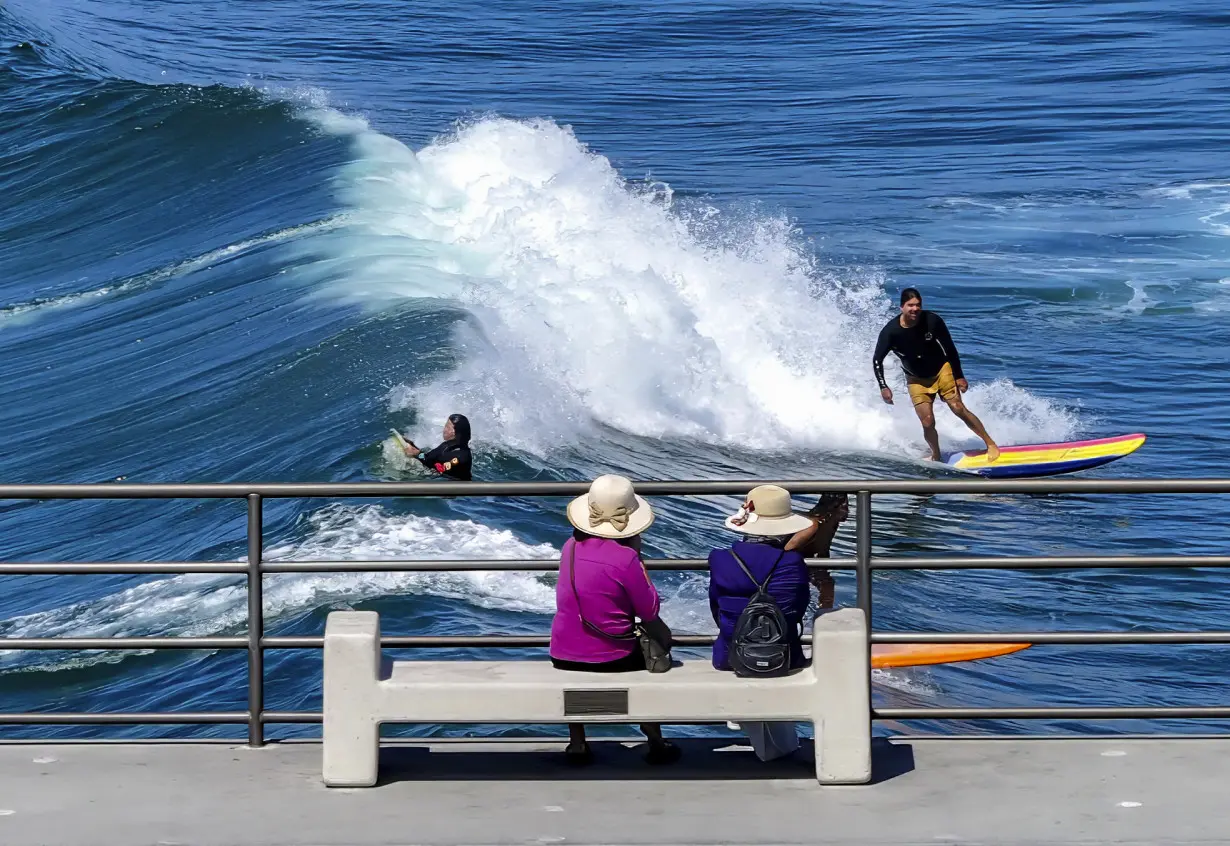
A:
[730,589]
[613,588]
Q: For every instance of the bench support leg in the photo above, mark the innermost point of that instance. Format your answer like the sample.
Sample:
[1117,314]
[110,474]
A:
[351,697]
[843,752]
[352,754]
[842,664]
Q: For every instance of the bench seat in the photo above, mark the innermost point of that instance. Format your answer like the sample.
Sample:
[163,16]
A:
[362,690]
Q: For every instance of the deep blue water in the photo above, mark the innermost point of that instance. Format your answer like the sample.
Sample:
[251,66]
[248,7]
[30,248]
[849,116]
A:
[240,241]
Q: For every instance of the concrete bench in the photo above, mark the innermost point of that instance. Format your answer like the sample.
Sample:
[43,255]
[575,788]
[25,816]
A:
[362,690]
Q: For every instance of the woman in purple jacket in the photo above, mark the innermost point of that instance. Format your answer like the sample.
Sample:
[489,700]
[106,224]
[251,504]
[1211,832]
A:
[773,537]
[603,589]
[774,542]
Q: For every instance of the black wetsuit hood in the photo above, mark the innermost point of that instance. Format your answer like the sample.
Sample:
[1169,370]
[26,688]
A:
[452,458]
[461,428]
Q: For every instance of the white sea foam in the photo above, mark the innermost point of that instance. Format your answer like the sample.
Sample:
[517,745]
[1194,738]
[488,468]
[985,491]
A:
[203,605]
[593,301]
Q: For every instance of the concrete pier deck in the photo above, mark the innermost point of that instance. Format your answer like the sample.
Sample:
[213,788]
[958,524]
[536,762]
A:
[926,791]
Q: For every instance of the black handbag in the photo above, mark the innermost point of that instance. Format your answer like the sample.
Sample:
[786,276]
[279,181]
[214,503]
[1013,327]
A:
[657,655]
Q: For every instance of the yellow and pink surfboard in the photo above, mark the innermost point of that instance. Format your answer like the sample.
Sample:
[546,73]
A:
[1046,459]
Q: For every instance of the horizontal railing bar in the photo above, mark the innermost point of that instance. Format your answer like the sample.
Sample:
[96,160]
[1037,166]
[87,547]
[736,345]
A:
[292,717]
[1053,637]
[393,740]
[550,565]
[71,568]
[519,641]
[435,740]
[469,641]
[1082,562]
[1074,736]
[666,488]
[226,717]
[968,563]
[541,565]
[31,718]
[1083,713]
[417,641]
[1105,638]
[78,643]
[542,739]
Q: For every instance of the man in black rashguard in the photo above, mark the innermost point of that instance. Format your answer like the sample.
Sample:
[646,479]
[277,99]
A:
[932,366]
[451,458]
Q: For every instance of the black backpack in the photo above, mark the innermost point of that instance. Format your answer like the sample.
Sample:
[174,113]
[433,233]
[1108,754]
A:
[760,647]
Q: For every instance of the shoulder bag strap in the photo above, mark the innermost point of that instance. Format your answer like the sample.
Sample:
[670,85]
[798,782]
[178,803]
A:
[743,567]
[572,577]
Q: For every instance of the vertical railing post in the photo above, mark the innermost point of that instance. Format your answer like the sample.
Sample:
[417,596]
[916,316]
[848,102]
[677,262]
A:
[862,532]
[256,624]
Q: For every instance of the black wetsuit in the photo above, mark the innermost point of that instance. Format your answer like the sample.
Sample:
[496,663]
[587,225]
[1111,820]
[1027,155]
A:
[922,349]
[452,458]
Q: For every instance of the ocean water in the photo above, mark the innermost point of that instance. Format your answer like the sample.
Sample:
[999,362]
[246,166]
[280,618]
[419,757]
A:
[241,241]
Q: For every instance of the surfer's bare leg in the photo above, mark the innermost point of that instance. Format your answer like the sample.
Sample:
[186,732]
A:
[926,416]
[970,419]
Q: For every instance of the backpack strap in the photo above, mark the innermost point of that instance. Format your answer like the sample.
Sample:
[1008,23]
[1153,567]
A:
[759,587]
[572,577]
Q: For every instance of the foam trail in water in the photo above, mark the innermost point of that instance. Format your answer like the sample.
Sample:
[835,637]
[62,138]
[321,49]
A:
[202,605]
[24,312]
[595,301]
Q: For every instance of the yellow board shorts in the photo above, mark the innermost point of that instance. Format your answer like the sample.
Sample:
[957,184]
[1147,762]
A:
[923,391]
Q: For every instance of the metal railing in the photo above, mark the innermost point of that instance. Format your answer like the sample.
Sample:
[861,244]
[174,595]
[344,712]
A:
[863,564]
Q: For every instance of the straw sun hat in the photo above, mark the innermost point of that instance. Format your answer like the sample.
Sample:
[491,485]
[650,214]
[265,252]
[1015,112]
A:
[766,511]
[611,509]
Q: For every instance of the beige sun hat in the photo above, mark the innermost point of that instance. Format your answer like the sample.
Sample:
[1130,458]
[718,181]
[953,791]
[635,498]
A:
[611,509]
[766,511]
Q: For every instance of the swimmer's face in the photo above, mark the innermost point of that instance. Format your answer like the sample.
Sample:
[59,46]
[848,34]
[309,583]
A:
[449,431]
[910,309]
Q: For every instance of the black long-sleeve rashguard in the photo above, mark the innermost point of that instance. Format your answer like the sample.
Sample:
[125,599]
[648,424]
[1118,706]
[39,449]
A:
[923,349]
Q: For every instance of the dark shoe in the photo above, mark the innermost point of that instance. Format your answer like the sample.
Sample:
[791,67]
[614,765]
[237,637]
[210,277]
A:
[663,753]
[578,755]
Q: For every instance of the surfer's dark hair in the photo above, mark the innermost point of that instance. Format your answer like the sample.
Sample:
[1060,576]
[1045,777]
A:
[828,501]
[910,294]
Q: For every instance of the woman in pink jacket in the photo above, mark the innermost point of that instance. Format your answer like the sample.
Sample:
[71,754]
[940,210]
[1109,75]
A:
[603,590]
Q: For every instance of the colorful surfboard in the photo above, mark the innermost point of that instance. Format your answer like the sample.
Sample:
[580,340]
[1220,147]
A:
[1045,459]
[886,655]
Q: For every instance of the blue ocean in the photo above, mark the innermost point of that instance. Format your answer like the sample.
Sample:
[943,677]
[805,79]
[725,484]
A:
[240,242]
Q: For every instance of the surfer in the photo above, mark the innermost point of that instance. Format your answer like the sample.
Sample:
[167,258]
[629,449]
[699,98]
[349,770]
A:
[932,366]
[451,458]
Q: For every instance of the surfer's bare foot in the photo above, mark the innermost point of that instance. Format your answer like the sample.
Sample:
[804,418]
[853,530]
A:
[992,451]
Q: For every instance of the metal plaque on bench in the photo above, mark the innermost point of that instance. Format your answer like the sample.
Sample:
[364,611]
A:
[593,703]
